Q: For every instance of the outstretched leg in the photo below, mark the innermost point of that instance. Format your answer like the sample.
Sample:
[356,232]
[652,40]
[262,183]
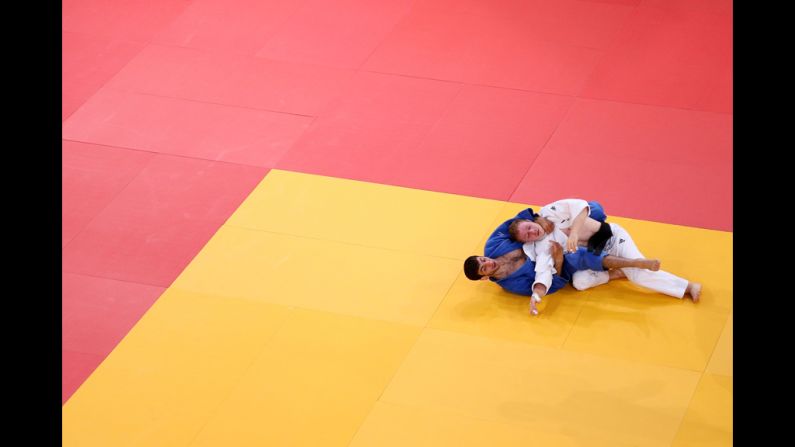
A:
[621,244]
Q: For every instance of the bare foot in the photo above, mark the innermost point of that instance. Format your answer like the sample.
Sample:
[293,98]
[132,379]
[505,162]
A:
[649,264]
[694,289]
[616,274]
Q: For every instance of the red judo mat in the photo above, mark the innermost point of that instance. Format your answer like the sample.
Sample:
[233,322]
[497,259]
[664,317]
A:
[97,314]
[174,110]
[152,229]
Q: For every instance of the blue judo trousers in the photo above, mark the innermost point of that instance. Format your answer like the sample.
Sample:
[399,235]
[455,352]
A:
[521,281]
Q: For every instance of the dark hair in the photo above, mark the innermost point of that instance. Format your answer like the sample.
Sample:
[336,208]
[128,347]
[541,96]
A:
[471,267]
[513,228]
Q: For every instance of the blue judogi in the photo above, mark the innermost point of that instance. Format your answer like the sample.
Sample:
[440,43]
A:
[521,281]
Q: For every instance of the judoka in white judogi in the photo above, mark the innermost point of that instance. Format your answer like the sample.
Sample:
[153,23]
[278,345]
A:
[562,213]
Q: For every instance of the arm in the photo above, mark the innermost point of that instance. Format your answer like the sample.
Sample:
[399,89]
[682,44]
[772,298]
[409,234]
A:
[523,284]
[563,212]
[569,215]
[574,234]
[545,280]
[544,267]
[583,259]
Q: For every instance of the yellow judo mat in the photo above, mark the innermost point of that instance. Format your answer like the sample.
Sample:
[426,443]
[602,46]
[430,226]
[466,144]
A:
[333,312]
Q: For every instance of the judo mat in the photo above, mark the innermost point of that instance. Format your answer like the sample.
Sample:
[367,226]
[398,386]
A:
[267,205]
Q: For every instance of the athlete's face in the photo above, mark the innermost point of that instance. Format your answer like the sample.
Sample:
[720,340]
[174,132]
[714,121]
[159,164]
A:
[529,232]
[486,266]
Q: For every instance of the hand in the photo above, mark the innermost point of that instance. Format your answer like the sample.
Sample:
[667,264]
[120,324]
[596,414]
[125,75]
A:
[572,242]
[536,304]
[548,226]
[533,308]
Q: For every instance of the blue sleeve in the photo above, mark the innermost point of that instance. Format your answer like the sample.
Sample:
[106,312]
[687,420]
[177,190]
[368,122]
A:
[521,281]
[520,285]
[523,285]
[582,259]
[557,284]
[500,241]
[597,212]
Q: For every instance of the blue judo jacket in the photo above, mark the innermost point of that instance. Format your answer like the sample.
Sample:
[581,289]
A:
[521,281]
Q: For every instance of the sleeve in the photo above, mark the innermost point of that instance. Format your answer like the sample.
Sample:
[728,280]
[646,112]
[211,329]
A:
[563,212]
[545,265]
[523,284]
[520,285]
[557,283]
[582,259]
[597,212]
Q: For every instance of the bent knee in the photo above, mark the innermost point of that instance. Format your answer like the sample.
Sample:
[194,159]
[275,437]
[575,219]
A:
[581,282]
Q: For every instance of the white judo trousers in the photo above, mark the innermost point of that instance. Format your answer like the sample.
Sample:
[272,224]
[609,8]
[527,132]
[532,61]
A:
[621,244]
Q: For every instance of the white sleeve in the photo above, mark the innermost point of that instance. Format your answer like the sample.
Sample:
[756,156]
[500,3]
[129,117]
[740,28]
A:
[563,212]
[545,265]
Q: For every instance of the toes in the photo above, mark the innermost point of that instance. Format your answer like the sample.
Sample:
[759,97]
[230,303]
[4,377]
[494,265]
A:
[695,292]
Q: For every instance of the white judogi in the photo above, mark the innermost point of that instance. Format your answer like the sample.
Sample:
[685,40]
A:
[538,251]
[563,212]
[560,213]
[621,244]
